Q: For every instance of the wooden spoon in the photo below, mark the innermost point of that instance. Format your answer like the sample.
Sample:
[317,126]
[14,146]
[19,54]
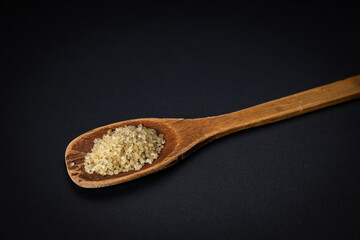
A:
[183,136]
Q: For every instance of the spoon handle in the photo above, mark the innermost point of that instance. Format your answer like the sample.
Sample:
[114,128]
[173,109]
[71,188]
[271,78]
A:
[283,108]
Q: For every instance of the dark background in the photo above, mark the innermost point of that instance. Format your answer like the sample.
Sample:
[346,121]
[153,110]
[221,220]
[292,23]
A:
[70,67]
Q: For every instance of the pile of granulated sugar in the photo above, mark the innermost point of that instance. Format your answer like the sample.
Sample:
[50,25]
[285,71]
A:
[124,149]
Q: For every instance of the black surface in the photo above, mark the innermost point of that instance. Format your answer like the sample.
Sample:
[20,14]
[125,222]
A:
[70,67]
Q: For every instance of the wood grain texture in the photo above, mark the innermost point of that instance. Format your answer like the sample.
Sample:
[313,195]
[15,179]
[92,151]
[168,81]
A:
[183,136]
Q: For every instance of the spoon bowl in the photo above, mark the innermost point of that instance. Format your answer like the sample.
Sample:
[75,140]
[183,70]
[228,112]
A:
[80,146]
[183,136]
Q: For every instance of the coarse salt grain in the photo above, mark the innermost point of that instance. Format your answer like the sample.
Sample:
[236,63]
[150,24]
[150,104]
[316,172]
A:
[124,149]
